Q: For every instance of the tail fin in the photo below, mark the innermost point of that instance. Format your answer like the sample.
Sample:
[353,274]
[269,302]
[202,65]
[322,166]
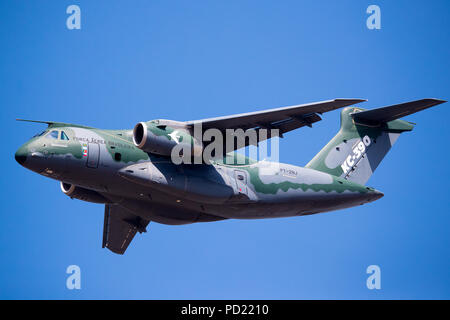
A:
[364,138]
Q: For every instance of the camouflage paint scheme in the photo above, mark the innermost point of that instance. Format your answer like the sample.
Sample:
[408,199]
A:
[131,171]
[186,193]
[381,138]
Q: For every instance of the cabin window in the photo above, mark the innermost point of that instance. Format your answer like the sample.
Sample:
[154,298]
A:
[117,156]
[52,135]
[64,136]
[240,177]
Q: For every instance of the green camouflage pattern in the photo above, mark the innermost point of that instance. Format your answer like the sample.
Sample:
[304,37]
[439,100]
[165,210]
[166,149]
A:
[132,173]
[209,188]
[330,158]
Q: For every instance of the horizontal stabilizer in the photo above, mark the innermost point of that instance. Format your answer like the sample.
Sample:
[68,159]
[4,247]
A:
[390,113]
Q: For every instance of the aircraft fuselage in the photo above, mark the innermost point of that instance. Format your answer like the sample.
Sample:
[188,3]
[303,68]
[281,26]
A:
[107,163]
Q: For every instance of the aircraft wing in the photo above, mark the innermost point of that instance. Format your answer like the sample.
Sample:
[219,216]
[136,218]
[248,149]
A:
[120,227]
[285,118]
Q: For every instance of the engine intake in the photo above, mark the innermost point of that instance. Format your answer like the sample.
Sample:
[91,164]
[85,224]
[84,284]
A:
[140,134]
[82,193]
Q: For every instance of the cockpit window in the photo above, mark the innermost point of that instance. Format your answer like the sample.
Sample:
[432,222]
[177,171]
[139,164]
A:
[52,135]
[39,134]
[64,136]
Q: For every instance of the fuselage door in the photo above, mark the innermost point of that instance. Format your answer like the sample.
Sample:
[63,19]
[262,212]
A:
[93,155]
[241,181]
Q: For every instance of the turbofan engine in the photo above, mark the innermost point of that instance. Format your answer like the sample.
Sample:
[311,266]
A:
[161,136]
[82,193]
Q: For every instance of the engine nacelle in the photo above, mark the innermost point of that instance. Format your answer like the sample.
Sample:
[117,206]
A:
[161,136]
[82,193]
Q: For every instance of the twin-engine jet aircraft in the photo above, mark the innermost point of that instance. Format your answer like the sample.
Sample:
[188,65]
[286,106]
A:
[133,173]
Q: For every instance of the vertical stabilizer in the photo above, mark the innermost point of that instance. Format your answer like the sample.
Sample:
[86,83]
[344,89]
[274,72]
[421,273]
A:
[364,139]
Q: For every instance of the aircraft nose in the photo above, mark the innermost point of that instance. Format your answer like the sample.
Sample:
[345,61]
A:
[21,155]
[375,195]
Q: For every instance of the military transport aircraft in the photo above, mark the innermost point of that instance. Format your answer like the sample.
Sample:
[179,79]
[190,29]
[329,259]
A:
[132,172]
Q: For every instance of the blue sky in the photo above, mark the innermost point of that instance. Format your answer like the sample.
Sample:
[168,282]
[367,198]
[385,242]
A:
[183,60]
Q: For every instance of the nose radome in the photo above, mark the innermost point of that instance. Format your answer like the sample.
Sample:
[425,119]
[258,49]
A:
[375,194]
[21,155]
[379,194]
